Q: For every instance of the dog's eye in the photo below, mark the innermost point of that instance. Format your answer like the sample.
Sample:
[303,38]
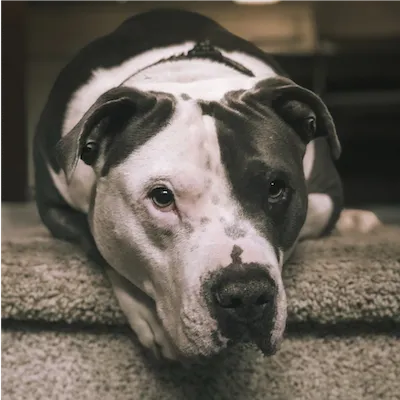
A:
[277,191]
[89,153]
[163,198]
[311,125]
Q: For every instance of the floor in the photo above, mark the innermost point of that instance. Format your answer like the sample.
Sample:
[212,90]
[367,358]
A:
[20,219]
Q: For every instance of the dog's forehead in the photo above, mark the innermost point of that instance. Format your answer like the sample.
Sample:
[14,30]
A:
[196,144]
[189,138]
[185,151]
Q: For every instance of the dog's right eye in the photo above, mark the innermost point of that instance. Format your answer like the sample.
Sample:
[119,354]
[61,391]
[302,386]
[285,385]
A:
[277,190]
[163,198]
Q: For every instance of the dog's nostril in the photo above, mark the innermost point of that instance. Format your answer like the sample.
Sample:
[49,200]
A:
[262,299]
[235,302]
[228,301]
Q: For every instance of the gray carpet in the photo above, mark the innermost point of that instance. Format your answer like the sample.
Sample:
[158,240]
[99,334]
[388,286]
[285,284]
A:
[64,337]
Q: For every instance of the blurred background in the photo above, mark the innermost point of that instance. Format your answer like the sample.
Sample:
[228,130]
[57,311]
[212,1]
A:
[347,52]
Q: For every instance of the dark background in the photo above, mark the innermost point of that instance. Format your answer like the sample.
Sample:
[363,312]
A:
[360,83]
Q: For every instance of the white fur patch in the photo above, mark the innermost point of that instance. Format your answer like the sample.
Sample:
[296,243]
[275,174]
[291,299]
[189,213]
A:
[320,208]
[142,316]
[206,89]
[77,192]
[308,159]
[183,71]
[104,79]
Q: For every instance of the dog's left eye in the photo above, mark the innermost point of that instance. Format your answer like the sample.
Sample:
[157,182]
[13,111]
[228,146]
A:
[277,190]
[89,153]
[311,125]
[163,198]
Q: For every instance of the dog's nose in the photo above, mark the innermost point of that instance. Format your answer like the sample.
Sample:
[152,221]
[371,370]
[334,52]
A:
[244,295]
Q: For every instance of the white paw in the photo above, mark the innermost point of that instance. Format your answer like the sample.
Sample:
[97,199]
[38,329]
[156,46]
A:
[361,221]
[151,335]
[140,312]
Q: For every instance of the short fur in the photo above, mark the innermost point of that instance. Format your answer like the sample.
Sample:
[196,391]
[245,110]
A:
[195,109]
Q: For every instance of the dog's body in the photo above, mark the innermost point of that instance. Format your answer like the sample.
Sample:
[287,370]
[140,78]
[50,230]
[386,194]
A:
[193,166]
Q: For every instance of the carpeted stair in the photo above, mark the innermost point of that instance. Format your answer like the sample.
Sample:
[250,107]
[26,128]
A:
[64,337]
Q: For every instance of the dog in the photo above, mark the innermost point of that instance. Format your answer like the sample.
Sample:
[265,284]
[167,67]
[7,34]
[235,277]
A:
[185,160]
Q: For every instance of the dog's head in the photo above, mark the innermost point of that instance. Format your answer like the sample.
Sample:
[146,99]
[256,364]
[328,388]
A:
[198,202]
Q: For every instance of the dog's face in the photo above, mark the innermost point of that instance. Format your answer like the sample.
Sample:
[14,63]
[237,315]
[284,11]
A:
[197,203]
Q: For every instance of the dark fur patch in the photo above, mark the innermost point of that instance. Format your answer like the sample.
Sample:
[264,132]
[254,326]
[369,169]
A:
[236,253]
[188,227]
[140,128]
[234,231]
[121,120]
[256,147]
[204,220]
[215,199]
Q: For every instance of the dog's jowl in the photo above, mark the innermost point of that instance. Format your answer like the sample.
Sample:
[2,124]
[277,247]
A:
[190,165]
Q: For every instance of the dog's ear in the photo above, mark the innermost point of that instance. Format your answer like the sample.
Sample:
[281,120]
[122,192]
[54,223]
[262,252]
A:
[302,109]
[107,116]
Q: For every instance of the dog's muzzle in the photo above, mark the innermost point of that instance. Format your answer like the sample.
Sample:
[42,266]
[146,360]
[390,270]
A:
[242,298]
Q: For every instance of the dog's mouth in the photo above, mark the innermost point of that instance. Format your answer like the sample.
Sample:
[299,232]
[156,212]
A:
[257,332]
[198,342]
[264,341]
[251,334]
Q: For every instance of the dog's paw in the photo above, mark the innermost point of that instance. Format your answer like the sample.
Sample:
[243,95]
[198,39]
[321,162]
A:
[152,336]
[139,310]
[361,221]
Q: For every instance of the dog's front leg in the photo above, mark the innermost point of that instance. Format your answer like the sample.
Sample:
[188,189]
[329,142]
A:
[320,210]
[141,314]
[353,220]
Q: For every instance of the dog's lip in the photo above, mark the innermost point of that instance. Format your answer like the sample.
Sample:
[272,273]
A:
[189,360]
[261,336]
[266,345]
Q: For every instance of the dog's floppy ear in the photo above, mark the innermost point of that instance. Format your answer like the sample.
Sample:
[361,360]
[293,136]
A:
[110,113]
[302,109]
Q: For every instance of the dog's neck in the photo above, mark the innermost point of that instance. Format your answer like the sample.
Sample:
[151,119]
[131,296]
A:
[203,72]
[202,62]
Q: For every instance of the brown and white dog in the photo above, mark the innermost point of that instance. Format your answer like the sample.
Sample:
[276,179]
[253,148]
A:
[184,157]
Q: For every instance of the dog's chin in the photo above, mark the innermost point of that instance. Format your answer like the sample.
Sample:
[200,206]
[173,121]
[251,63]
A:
[266,345]
[193,354]
[196,341]
[192,359]
[197,354]
[266,338]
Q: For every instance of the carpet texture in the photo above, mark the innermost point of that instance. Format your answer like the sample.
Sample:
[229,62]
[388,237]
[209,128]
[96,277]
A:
[64,336]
